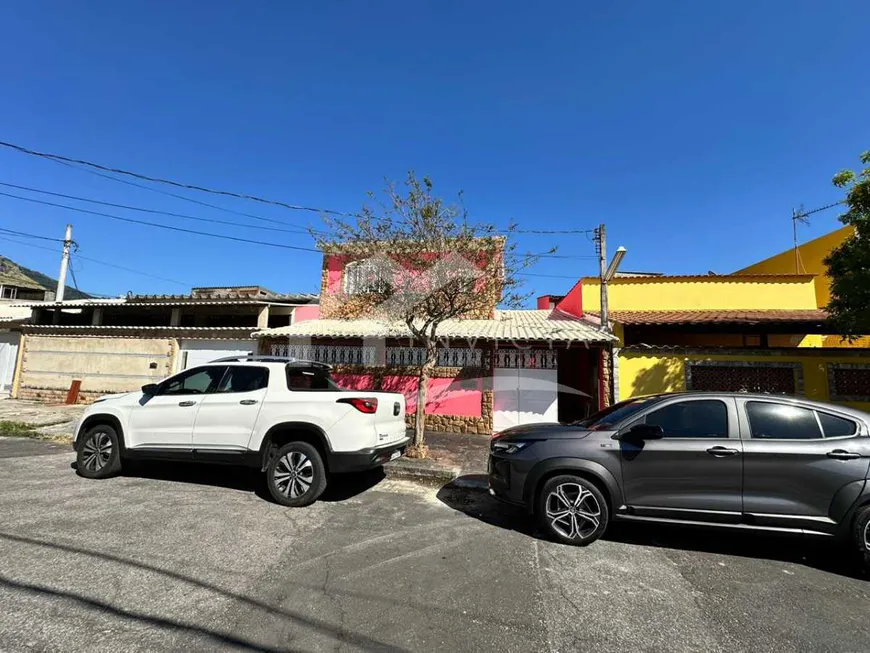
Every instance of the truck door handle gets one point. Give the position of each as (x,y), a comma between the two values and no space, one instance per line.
(842,454)
(187,403)
(248,402)
(721,451)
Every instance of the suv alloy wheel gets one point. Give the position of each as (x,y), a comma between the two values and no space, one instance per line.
(296,475)
(572,510)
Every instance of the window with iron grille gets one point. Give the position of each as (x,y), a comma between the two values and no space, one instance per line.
(769,378)
(447,356)
(365,277)
(329,354)
(527,359)
(848,382)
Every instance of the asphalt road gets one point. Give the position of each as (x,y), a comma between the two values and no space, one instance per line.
(193,558)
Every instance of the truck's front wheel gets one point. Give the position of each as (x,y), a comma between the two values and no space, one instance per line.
(296,475)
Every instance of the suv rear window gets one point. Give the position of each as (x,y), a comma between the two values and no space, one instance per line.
(768,420)
(309,379)
(244,378)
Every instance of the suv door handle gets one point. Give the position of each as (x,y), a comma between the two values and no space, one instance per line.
(842,454)
(187,403)
(721,451)
(248,402)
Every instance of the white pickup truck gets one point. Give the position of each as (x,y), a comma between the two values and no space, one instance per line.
(285,417)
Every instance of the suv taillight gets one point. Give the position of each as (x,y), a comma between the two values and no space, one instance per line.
(363,405)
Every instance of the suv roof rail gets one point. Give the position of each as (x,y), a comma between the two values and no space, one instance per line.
(271,359)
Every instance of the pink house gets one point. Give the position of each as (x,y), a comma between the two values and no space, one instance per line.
(496,368)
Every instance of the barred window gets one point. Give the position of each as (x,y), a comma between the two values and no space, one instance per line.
(848,382)
(764,378)
(365,277)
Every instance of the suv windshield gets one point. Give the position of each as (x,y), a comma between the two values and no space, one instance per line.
(613,415)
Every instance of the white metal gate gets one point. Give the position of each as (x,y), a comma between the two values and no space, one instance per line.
(524,396)
(8,358)
(198,352)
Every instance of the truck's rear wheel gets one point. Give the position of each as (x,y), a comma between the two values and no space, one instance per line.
(296,475)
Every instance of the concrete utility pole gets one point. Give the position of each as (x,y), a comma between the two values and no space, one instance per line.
(64,264)
(601,241)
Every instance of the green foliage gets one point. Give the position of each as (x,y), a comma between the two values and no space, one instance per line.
(16,429)
(849,264)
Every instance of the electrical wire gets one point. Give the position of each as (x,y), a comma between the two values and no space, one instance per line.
(72,274)
(182,197)
(98,262)
(26,235)
(82,164)
(152,211)
(163,226)
(158,180)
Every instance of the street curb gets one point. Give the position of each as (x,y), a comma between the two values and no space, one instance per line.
(428,474)
(471,482)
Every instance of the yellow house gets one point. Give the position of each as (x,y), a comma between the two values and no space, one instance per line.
(760,329)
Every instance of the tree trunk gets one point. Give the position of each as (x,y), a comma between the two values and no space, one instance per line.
(422,381)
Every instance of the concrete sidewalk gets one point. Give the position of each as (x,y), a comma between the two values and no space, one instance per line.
(450,454)
(55,420)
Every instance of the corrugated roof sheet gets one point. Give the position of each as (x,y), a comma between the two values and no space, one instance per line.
(724,316)
(107,327)
(521,325)
(170,300)
(199,297)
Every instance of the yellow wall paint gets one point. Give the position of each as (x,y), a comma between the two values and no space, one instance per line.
(811,260)
(662,294)
(642,373)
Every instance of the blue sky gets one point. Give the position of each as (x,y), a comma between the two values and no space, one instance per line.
(690,128)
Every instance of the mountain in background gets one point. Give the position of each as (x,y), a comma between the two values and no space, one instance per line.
(14,270)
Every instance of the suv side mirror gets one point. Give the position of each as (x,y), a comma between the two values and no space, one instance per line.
(150,389)
(643,432)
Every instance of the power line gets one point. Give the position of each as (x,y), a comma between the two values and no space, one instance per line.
(163,226)
(144,274)
(553,231)
(98,262)
(72,162)
(181,197)
(158,180)
(152,211)
(26,235)
(72,273)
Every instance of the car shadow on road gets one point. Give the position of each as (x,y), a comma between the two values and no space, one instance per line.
(245,479)
(822,554)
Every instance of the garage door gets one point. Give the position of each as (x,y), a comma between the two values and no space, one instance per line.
(198,352)
(102,364)
(524,396)
(8,357)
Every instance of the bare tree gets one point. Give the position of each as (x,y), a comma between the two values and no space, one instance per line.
(423,262)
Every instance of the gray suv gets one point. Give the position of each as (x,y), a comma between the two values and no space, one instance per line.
(751,462)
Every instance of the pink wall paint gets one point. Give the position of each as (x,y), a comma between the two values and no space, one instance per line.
(443,396)
(355,381)
(305,313)
(572,303)
(334,266)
